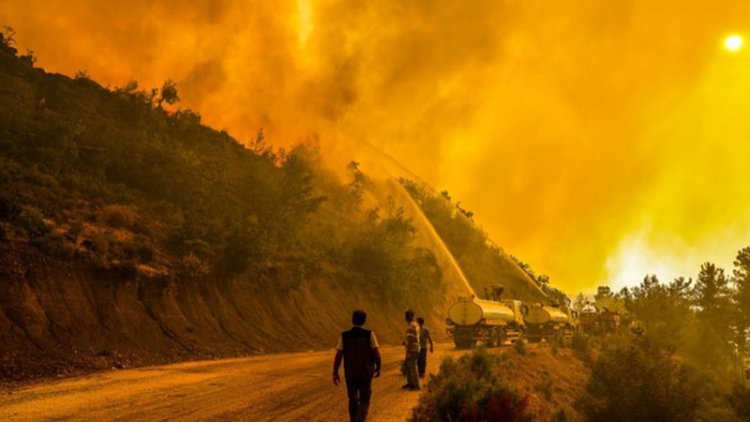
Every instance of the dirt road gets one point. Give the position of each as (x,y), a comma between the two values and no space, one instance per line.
(286,387)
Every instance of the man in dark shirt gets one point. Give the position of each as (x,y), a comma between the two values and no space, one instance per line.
(359,350)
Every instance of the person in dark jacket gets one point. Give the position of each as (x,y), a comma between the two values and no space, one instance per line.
(358,348)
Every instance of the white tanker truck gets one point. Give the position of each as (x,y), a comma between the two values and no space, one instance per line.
(543,322)
(492,322)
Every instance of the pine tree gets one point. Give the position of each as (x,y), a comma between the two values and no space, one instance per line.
(741,298)
(712,294)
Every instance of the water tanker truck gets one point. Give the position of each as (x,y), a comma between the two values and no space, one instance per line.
(596,322)
(492,322)
(544,322)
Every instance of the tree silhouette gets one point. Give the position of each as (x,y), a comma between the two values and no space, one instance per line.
(168,93)
(711,292)
(741,297)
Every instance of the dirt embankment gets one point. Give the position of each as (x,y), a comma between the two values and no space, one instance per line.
(65,317)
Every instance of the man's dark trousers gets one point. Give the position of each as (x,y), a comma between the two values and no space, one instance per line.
(422,361)
(359,392)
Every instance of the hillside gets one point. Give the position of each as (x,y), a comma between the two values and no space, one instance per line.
(484,264)
(131,234)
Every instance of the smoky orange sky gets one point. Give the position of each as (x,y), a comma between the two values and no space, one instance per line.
(597,140)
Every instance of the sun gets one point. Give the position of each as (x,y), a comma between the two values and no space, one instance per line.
(733,43)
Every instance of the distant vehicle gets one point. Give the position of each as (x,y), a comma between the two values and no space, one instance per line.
(545,322)
(609,321)
(492,321)
(589,320)
(600,322)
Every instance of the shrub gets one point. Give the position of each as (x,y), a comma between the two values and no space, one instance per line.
(10,206)
(581,346)
(558,340)
(144,249)
(560,416)
(119,216)
(469,390)
(75,230)
(32,220)
(126,269)
(100,244)
(56,244)
(82,75)
(545,386)
(520,347)
(740,401)
(192,267)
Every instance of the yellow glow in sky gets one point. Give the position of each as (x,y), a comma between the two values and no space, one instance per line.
(733,43)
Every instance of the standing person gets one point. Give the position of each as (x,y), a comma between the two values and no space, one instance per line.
(359,350)
(411,344)
(424,338)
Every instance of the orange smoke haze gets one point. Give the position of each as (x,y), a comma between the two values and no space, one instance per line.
(597,140)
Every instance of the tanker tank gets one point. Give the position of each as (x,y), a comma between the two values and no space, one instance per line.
(544,322)
(492,322)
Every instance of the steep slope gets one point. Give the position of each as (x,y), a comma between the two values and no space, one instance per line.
(484,263)
(130,235)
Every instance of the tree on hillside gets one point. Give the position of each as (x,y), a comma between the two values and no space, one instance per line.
(625,297)
(603,293)
(357,185)
(711,295)
(299,198)
(741,298)
(7,37)
(637,381)
(580,302)
(664,309)
(168,93)
(261,148)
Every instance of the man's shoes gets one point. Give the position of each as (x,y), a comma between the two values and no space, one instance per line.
(406,386)
(413,388)
(421,375)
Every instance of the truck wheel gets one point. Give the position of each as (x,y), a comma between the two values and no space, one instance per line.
(501,337)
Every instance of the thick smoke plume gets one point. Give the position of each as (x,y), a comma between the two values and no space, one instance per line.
(597,140)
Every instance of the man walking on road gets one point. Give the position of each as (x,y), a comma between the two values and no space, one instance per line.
(359,350)
(411,344)
(424,338)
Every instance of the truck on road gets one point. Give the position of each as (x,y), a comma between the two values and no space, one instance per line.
(492,321)
(544,322)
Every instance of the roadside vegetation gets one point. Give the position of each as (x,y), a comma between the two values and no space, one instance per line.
(469,389)
(505,385)
(681,354)
(690,358)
